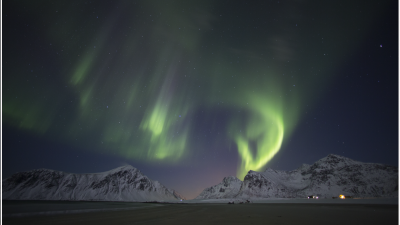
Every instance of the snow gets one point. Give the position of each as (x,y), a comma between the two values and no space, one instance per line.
(120,184)
(328,177)
(385,201)
(228,188)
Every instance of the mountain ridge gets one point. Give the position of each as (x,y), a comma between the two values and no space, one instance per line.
(327,177)
(125,183)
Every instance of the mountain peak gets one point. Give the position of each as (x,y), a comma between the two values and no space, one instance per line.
(228,188)
(126,167)
(269,170)
(332,158)
(304,166)
(328,177)
(335,156)
(122,168)
(230,178)
(124,183)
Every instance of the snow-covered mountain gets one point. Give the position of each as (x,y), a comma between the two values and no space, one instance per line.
(229,188)
(121,184)
(328,177)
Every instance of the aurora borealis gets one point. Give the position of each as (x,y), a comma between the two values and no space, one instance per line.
(192,91)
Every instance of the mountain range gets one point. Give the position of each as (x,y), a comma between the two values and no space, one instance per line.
(121,184)
(329,177)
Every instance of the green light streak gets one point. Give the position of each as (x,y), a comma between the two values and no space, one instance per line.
(28,117)
(156,121)
(167,134)
(270,115)
(82,70)
(266,129)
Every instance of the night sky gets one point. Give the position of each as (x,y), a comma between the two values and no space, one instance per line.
(189,92)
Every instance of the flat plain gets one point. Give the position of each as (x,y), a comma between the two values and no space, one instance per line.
(214,213)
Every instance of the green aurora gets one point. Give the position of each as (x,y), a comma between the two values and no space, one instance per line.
(134,90)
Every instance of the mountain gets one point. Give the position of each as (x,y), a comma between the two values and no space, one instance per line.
(328,177)
(228,188)
(121,184)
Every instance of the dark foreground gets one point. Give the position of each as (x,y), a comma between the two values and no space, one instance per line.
(227,214)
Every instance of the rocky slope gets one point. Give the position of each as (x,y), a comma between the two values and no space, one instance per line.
(328,177)
(228,188)
(121,184)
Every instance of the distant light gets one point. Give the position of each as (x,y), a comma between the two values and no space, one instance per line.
(380,46)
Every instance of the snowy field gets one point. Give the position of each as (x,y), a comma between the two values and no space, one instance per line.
(296,212)
(34,208)
(390,201)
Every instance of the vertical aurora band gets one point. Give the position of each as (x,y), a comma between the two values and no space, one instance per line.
(265,129)
(259,135)
(165,141)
